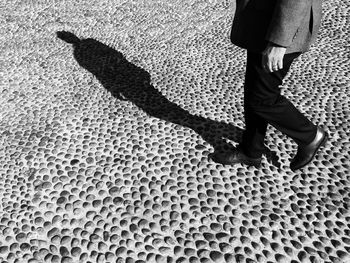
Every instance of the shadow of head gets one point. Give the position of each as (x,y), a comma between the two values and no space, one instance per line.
(108,65)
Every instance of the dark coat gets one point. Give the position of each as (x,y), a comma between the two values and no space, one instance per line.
(290,23)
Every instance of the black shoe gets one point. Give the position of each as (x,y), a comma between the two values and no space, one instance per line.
(237,156)
(306,153)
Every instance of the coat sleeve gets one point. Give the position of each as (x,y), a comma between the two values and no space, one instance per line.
(286,19)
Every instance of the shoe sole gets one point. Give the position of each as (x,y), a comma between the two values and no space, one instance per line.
(256,164)
(323,142)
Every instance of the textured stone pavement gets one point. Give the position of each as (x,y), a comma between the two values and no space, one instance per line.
(104,141)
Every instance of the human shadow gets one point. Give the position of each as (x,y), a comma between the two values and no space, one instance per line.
(127,81)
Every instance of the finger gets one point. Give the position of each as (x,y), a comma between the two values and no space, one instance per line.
(270,65)
(280,63)
(276,65)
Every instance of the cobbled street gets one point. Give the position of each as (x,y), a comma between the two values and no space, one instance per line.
(109,111)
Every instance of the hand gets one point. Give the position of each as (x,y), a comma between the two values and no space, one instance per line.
(272,58)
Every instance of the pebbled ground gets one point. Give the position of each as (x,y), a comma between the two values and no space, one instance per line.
(105,135)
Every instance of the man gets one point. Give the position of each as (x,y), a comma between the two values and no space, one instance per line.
(274,32)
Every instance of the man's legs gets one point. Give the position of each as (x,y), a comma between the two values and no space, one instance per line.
(264,104)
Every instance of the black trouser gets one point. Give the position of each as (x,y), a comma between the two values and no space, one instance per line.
(264,104)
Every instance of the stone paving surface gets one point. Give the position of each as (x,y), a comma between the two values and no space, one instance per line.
(108,112)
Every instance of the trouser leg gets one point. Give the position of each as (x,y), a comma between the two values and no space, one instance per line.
(254,133)
(263,104)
